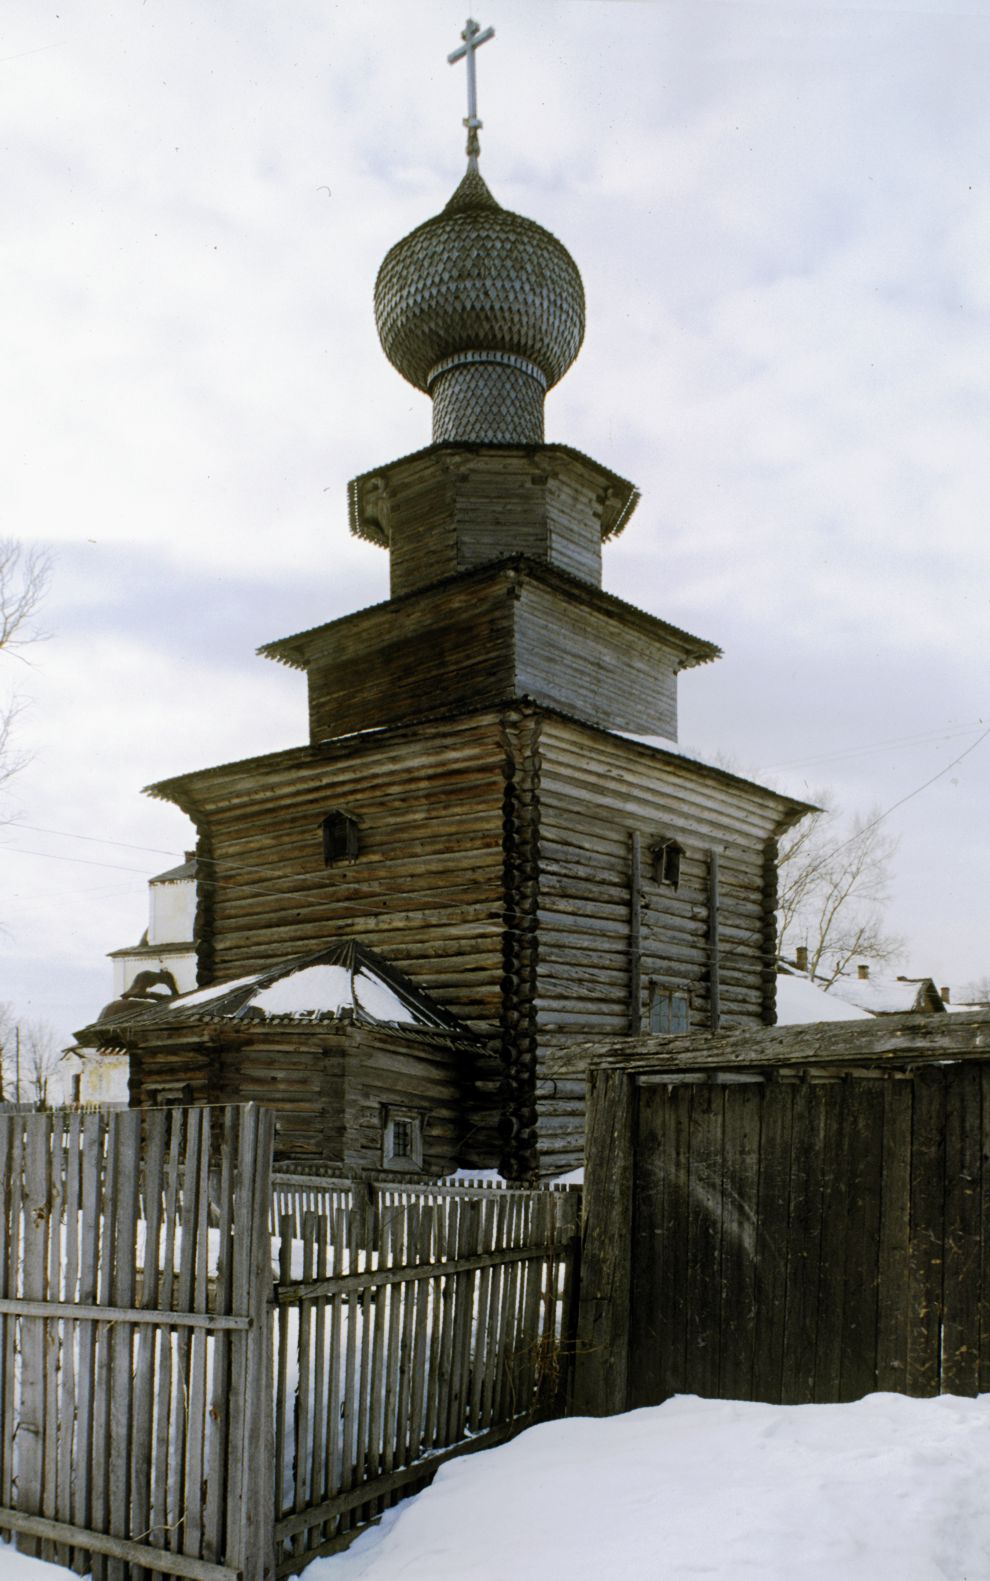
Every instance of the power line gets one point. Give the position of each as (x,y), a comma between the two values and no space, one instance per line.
(916,792)
(46,856)
(69,834)
(945,733)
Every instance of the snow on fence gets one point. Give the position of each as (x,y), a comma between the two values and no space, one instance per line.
(186,1392)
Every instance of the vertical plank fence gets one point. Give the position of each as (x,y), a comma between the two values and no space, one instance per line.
(412,1321)
(210,1373)
(135,1286)
(792,1216)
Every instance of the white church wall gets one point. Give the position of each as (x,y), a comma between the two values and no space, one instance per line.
(172,911)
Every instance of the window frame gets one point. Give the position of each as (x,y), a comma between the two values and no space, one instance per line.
(409,1161)
(332,825)
(676,998)
(666,855)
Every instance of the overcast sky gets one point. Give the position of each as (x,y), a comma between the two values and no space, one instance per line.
(782,216)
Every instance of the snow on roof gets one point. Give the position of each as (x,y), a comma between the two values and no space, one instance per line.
(344,978)
(883,995)
(800,1001)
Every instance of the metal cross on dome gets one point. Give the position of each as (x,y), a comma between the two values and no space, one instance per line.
(473,39)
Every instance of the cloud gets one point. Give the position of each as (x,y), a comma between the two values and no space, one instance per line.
(782,220)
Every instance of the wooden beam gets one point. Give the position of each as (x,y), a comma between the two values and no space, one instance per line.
(158,1560)
(79,1312)
(601,1385)
(885,1040)
(714,1000)
(635,934)
(373,1279)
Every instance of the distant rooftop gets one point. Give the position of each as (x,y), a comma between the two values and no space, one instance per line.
(172,875)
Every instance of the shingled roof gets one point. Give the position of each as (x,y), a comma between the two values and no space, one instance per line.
(345,981)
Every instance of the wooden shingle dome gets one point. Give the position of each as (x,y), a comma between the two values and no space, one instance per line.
(484,310)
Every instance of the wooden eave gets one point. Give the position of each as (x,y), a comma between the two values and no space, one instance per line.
(895,1041)
(626,494)
(213,1030)
(791,809)
(184,790)
(128,950)
(305,647)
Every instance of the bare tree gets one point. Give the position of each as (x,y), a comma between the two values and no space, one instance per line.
(977,992)
(834,887)
(29,1059)
(24,577)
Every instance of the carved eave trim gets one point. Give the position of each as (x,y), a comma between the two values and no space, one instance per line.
(368,495)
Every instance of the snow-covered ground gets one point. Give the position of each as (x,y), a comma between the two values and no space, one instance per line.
(886,1487)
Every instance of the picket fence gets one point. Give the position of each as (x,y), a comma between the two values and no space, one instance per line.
(211,1373)
(411,1321)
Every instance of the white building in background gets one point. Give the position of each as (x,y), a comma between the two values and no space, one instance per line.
(167,945)
(161,965)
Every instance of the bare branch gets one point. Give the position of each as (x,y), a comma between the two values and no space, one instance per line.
(29,1058)
(24,577)
(25,574)
(834,887)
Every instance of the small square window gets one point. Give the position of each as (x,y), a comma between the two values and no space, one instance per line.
(402,1140)
(670,1010)
(340,838)
(666,856)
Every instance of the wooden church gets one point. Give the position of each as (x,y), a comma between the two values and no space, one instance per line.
(472,859)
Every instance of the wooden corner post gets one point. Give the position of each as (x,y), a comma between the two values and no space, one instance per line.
(602,1360)
(251,1469)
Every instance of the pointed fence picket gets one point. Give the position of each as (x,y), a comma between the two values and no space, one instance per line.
(414,1320)
(210,1373)
(134,1347)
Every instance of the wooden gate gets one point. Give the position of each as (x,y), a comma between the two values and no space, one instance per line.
(802,1216)
(135,1283)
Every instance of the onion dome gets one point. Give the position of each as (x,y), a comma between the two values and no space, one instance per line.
(484,310)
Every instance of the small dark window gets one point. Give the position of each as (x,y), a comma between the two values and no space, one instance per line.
(670,1010)
(178,1094)
(666,856)
(402,1139)
(340,838)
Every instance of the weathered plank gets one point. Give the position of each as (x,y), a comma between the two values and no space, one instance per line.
(927,1232)
(601,1377)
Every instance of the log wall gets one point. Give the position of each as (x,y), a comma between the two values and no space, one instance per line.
(496,870)
(451,508)
(327,1084)
(425,890)
(425,1075)
(608,939)
(512,630)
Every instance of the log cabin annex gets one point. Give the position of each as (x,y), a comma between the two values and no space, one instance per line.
(489,846)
